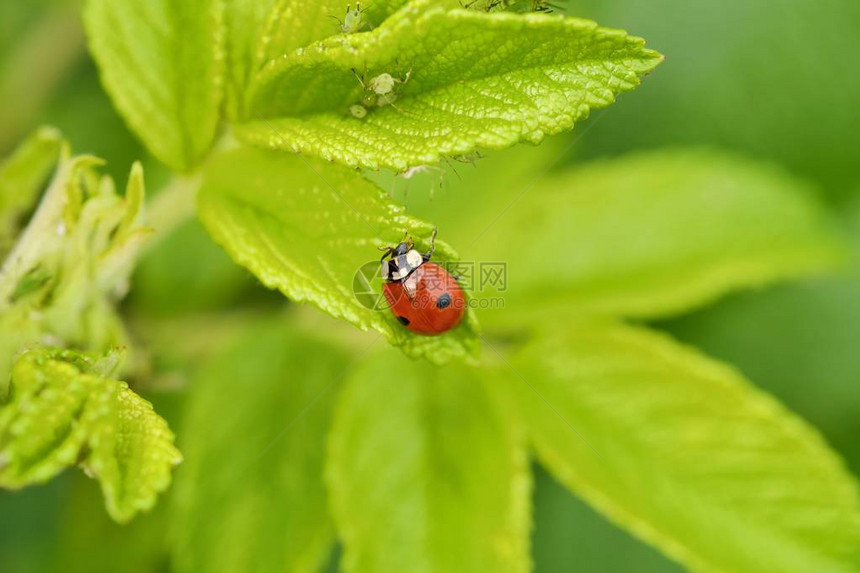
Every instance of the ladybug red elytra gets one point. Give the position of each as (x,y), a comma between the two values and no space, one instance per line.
(423,296)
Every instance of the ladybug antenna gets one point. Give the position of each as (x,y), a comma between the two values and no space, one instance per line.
(429,253)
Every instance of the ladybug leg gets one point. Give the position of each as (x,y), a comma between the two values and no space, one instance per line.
(426,256)
(388,250)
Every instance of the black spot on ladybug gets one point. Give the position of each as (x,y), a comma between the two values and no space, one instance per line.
(443,301)
(403,320)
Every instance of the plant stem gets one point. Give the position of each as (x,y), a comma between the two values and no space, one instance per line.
(175,203)
(171,207)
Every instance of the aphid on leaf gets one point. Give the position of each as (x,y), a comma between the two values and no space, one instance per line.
(543,6)
(482,5)
(471,157)
(353,20)
(358,111)
(424,297)
(380,90)
(430,170)
(516,6)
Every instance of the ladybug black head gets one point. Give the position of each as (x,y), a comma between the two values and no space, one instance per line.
(402,248)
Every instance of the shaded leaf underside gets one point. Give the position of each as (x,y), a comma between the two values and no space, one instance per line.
(427,473)
(653,234)
(251,495)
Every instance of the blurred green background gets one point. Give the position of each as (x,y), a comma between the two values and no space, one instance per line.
(772,81)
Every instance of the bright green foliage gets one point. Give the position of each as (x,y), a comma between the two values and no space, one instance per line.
(162,63)
(477,195)
(243,28)
(728,480)
(306,227)
(166,65)
(469,79)
(251,497)
(427,473)
(259,31)
(645,235)
(59,283)
(65,410)
(294,24)
(515,6)
(654,234)
(783,338)
(21,178)
(426,468)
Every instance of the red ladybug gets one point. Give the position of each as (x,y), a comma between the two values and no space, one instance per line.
(423,296)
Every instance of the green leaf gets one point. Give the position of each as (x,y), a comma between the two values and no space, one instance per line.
(243,26)
(21,178)
(649,235)
(292,25)
(470,194)
(307,228)
(162,64)
(786,337)
(66,410)
(686,454)
(259,31)
(427,472)
(570,536)
(474,80)
(251,496)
